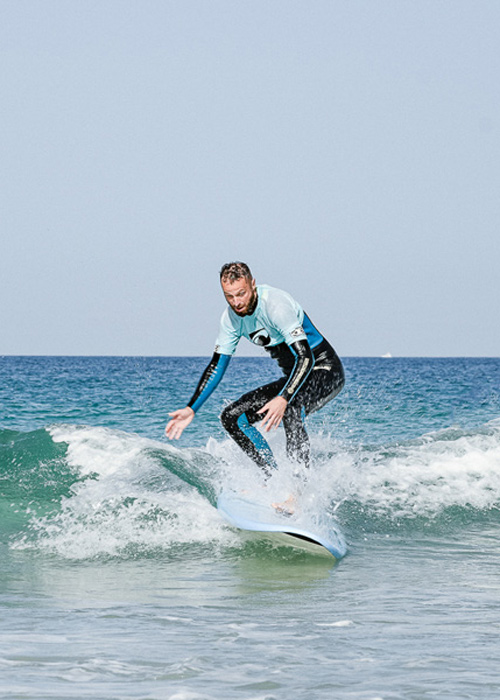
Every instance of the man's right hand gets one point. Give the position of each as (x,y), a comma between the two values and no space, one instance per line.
(180,419)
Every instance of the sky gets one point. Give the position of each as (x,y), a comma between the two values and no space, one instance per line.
(348,151)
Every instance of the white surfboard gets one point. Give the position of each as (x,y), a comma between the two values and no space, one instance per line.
(314,534)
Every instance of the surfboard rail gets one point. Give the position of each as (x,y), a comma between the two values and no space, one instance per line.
(313,534)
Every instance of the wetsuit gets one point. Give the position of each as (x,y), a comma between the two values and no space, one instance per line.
(313,373)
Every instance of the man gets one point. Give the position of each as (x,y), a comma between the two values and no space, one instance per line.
(313,373)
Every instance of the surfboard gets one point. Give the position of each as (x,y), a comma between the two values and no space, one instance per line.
(311,533)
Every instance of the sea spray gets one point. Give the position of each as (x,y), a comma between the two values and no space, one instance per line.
(125,502)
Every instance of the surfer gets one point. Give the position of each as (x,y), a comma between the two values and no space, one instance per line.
(312,371)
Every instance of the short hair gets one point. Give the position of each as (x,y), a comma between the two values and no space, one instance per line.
(230,272)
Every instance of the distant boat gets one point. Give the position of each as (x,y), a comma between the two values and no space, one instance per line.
(387,354)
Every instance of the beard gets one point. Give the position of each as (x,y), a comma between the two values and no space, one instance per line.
(250,307)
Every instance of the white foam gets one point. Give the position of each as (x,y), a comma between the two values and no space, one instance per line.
(451,468)
(127,500)
(97,450)
(127,503)
(339,623)
(92,524)
(189,695)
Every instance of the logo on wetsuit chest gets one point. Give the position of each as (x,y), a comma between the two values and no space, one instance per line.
(260,337)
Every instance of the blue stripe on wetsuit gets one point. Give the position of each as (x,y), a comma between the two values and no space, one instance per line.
(313,335)
(209,380)
(258,440)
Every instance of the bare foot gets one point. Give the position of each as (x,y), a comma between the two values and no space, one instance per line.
(287,507)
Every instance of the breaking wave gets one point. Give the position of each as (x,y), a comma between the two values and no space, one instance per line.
(84,492)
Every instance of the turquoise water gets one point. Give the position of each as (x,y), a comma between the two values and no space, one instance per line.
(119,579)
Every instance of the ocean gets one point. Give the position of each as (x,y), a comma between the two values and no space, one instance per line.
(120,580)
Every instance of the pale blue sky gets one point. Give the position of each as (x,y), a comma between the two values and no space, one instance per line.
(349,151)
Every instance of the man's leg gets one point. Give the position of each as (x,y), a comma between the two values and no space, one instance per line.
(297,439)
(239,417)
(320,388)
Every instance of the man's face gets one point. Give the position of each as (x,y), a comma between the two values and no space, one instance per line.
(240,295)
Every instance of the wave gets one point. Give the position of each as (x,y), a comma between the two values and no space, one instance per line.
(448,478)
(83,492)
(117,495)
(34,474)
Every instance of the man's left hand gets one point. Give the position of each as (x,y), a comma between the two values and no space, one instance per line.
(274,411)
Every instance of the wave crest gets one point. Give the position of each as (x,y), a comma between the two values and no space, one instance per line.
(86,492)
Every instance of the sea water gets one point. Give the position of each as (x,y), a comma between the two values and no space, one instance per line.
(119,578)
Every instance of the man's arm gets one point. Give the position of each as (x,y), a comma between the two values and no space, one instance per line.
(304,362)
(210,379)
(274,410)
